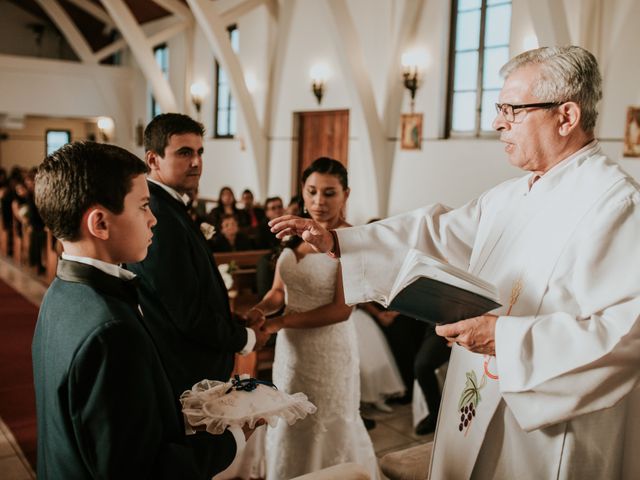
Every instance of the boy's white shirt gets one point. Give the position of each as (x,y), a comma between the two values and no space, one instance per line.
(251,335)
(108,268)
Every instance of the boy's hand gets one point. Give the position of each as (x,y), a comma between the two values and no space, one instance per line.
(249,431)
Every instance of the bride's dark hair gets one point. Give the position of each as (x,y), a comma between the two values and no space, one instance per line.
(327,166)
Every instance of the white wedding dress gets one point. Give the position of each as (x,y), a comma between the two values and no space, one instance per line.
(322,363)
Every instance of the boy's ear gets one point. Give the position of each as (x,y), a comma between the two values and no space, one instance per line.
(96,223)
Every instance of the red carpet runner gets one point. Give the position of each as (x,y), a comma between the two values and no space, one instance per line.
(17,399)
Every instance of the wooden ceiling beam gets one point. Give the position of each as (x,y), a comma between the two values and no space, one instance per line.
(142,50)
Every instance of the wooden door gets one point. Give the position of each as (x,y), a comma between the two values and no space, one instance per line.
(319,134)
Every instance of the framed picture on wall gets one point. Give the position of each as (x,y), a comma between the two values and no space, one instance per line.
(632,133)
(410,131)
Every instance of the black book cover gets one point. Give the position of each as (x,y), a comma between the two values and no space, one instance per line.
(434,302)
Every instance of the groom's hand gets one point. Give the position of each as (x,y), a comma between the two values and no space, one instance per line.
(311,232)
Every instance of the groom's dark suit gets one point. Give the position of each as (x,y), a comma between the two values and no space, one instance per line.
(184,299)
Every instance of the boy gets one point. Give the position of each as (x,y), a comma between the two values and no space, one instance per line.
(105,407)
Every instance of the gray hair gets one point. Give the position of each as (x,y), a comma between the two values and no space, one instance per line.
(567,74)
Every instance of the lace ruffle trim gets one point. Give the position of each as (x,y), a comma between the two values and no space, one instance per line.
(209,405)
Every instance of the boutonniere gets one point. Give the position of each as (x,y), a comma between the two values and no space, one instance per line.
(207,230)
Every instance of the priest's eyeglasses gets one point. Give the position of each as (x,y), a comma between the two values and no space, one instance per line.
(509,111)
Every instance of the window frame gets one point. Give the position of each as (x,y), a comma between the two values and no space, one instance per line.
(230,29)
(153,103)
(477,133)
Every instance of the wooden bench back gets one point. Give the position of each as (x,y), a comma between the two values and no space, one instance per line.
(242,259)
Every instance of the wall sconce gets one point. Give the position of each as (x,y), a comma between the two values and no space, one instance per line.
(198,91)
(106,128)
(412,61)
(319,74)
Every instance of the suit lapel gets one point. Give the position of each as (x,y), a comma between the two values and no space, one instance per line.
(180,211)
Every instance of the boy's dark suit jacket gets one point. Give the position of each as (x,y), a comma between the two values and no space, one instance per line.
(105,407)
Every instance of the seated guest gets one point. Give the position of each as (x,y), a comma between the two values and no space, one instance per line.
(295,206)
(226,206)
(379,375)
(273,208)
(405,338)
(432,354)
(255,214)
(266,267)
(197,207)
(229,238)
(37,234)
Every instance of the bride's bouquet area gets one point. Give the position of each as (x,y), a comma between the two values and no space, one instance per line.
(215,405)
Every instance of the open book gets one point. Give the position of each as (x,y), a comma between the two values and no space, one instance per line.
(436,292)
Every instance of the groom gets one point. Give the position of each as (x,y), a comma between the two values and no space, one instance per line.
(182,295)
(547,386)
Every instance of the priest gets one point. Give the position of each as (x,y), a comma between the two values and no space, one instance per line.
(546,386)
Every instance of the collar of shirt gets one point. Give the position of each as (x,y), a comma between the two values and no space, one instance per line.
(181,198)
(108,268)
(592,145)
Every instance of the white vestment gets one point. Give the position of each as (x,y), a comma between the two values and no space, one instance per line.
(567,401)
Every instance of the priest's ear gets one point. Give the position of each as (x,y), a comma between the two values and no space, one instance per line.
(95,222)
(570,116)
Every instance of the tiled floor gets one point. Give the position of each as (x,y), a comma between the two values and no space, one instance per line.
(394,431)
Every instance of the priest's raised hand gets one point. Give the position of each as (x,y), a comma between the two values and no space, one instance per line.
(311,231)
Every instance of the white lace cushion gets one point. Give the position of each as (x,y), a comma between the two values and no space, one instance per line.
(207,404)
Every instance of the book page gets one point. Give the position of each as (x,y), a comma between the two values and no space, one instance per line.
(417,264)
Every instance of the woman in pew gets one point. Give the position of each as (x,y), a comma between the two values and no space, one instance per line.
(226,206)
(316,347)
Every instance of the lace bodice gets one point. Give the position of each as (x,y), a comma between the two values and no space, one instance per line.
(314,273)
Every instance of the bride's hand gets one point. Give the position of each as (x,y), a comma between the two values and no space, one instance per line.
(273,325)
(255,316)
(311,232)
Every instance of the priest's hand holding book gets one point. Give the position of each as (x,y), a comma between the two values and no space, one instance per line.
(476,334)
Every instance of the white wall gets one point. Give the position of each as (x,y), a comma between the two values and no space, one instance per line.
(452,171)
(58,88)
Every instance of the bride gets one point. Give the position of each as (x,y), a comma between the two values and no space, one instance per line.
(316,349)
